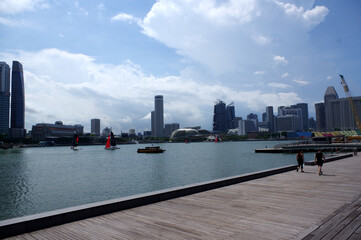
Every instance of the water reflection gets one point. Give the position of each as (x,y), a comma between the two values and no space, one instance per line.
(43,179)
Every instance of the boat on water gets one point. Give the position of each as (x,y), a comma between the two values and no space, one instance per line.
(75,142)
(111,142)
(156,149)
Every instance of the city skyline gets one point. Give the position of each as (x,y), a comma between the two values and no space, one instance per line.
(106,60)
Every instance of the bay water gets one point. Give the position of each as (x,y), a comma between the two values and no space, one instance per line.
(35,180)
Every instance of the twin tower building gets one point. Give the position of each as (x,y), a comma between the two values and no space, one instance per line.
(12,103)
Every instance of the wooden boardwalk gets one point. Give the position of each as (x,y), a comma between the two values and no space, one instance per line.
(290,205)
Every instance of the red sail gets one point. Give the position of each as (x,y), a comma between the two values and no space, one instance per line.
(108,142)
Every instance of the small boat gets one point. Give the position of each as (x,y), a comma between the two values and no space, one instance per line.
(150,150)
(75,142)
(111,142)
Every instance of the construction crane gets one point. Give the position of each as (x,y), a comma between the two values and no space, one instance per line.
(350,100)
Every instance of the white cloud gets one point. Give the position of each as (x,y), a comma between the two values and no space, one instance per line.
(261,40)
(329,77)
(310,17)
(284,75)
(278,85)
(280,60)
(301,82)
(258,72)
(123,17)
(232,36)
(18,6)
(122,96)
(15,23)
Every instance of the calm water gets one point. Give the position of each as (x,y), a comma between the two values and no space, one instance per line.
(34,180)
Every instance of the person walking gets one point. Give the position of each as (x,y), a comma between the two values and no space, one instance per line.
(300,160)
(319,159)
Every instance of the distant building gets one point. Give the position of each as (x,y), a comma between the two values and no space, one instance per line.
(132,132)
(48,131)
(330,95)
(247,126)
(253,117)
(4,98)
(338,112)
(312,123)
(270,119)
(289,119)
(159,116)
(304,110)
(320,116)
(170,128)
(236,120)
(289,123)
(17,101)
(230,116)
(95,126)
(219,117)
(147,134)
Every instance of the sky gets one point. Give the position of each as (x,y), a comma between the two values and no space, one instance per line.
(89,59)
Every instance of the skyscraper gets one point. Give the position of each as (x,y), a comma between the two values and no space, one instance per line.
(230,117)
(95,126)
(17,101)
(159,116)
(320,116)
(270,119)
(330,95)
(304,109)
(4,97)
(219,117)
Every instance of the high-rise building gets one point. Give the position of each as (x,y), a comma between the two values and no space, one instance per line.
(270,119)
(220,117)
(95,126)
(304,109)
(289,119)
(254,118)
(159,116)
(320,116)
(230,117)
(17,101)
(4,98)
(330,95)
(170,128)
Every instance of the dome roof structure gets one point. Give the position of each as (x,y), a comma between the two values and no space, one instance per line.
(184,133)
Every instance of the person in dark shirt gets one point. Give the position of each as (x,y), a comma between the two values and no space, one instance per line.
(319,159)
(300,160)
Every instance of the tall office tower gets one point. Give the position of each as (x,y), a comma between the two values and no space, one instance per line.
(4,97)
(304,109)
(170,128)
(219,117)
(159,116)
(320,116)
(95,126)
(264,117)
(230,116)
(289,119)
(270,119)
(329,96)
(17,101)
(254,118)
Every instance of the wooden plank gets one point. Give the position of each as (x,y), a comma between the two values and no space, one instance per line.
(349,230)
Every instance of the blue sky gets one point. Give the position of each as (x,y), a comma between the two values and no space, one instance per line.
(108,59)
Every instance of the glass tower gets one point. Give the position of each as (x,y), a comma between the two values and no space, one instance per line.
(220,117)
(4,97)
(17,97)
(158,116)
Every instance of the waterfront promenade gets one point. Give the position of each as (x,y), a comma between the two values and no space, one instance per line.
(289,205)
